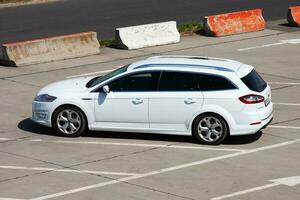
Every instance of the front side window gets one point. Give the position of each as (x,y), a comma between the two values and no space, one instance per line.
(139,82)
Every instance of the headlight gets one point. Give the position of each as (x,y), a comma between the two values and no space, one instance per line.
(45,98)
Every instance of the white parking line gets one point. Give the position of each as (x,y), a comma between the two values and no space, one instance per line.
(281,42)
(169,169)
(67,170)
(246,191)
(93,73)
(136,145)
(283,83)
(287,104)
(288,181)
(284,127)
(90,74)
(261,46)
(5,139)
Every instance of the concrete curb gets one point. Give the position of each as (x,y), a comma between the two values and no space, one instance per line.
(234,23)
(135,37)
(293,16)
(49,49)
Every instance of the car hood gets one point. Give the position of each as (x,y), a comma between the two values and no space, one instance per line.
(73,85)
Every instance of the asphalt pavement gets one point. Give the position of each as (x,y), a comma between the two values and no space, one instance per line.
(103,16)
(35,164)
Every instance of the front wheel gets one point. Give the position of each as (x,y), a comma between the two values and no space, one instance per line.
(210,128)
(69,121)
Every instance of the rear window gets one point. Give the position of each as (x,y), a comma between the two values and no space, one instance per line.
(254,82)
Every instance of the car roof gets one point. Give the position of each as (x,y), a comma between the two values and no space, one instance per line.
(189,63)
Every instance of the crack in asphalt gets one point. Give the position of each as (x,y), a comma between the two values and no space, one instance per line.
(281,137)
(63,166)
(17,139)
(284,87)
(290,120)
(75,165)
(157,190)
(20,82)
(132,184)
(97,175)
(32,158)
(117,156)
(280,76)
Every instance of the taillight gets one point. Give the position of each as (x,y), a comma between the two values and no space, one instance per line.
(252,99)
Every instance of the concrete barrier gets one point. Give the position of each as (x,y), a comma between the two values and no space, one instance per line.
(135,37)
(294,16)
(234,23)
(49,49)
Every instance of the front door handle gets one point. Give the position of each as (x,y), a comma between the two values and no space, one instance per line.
(137,101)
(190,101)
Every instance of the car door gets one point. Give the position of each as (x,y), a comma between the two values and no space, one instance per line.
(126,104)
(176,101)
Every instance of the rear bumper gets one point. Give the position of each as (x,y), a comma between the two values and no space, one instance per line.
(251,129)
(267,124)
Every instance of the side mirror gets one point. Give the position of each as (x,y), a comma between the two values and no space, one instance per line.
(105,89)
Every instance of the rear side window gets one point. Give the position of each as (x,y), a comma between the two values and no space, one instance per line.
(254,82)
(178,81)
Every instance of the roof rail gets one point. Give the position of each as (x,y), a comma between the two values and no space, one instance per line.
(186,65)
(193,57)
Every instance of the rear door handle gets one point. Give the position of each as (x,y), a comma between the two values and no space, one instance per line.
(190,101)
(137,101)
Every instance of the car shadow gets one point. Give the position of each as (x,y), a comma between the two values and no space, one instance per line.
(286,24)
(242,139)
(30,126)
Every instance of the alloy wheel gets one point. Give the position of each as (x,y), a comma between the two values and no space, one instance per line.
(210,129)
(68,121)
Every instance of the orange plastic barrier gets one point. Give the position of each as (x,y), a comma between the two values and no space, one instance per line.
(234,23)
(294,16)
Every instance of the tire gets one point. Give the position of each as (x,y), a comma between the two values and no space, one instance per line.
(69,121)
(210,128)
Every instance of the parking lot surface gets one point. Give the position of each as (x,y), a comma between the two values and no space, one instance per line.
(35,164)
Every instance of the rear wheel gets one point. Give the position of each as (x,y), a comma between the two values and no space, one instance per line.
(210,128)
(69,121)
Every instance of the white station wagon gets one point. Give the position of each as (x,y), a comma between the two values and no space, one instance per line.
(209,98)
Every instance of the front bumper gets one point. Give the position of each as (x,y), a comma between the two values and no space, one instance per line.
(41,113)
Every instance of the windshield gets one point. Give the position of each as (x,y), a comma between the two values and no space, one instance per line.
(99,79)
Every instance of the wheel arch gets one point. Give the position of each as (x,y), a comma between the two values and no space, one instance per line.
(194,120)
(218,111)
(71,105)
